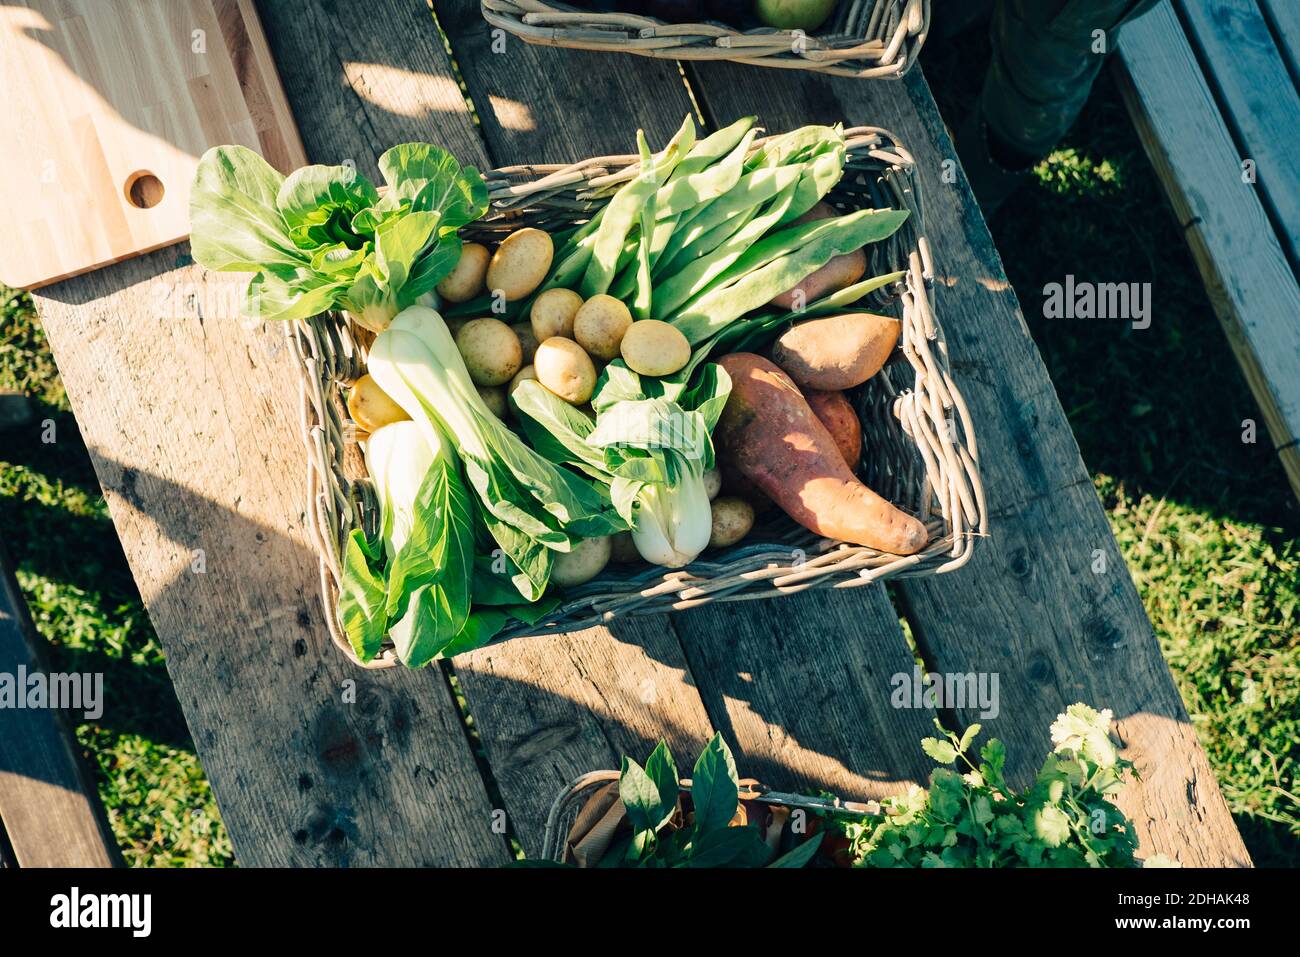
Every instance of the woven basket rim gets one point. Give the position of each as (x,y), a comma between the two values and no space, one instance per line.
(863,39)
(930,412)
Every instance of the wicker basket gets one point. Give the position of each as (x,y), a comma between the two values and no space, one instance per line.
(922,454)
(864,38)
(571,802)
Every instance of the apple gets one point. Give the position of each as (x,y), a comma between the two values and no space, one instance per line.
(804,15)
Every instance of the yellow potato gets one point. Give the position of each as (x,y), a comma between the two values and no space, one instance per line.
(587,560)
(371,407)
(565,369)
(552,313)
(520,263)
(712,483)
(465,281)
(494,397)
(732,520)
(527,372)
(600,326)
(527,340)
(655,348)
(491,351)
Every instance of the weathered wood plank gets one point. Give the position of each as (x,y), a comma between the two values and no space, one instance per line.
(49,810)
(1246,71)
(1242,263)
(551,708)
(802,686)
(1027,607)
(191,417)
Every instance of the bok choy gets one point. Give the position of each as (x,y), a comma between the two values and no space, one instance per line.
(649,446)
(324,238)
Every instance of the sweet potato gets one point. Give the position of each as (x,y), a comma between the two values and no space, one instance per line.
(840,273)
(836,352)
(835,412)
(771,436)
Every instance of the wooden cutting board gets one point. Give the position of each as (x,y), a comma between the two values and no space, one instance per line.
(105,108)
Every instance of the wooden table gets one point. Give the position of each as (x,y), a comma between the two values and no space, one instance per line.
(191,417)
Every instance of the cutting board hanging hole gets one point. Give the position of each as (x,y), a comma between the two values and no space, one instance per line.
(143,189)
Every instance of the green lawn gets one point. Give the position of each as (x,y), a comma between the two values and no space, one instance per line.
(1206,522)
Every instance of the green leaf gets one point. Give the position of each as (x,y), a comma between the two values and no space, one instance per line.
(234,223)
(649,800)
(283,293)
(317,204)
(399,243)
(729,847)
(801,854)
(433,181)
(714,786)
(362,597)
(481,627)
(941,751)
(969,735)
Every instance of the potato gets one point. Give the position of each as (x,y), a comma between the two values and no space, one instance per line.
(836,352)
(600,326)
(527,372)
(465,281)
(494,397)
(655,348)
(371,407)
(491,351)
(712,483)
(732,520)
(622,549)
(565,369)
(552,313)
(836,413)
(520,263)
(527,341)
(587,560)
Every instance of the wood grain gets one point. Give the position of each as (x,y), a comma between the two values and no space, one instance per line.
(97,93)
(190,415)
(49,810)
(1245,69)
(1242,262)
(1028,606)
(551,708)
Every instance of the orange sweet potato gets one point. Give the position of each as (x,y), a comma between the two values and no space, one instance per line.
(834,411)
(839,273)
(771,436)
(836,352)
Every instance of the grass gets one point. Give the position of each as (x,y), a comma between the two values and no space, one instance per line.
(1206,522)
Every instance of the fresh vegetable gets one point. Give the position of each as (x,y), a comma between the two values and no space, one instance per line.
(520,263)
(491,351)
(494,397)
(370,406)
(465,281)
(622,550)
(965,819)
(532,507)
(768,433)
(323,238)
(601,323)
(565,369)
(587,560)
(654,348)
(649,445)
(839,273)
(836,352)
(712,483)
(553,312)
(527,372)
(805,15)
(835,412)
(732,520)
